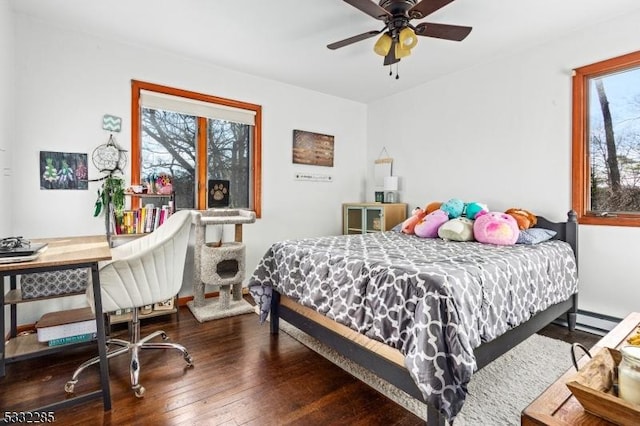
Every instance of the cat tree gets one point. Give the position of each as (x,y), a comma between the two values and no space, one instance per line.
(220,264)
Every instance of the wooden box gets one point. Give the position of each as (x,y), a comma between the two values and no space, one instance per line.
(593,386)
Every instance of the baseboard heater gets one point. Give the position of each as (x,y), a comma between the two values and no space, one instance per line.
(591,322)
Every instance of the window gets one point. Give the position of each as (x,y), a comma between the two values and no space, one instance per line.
(606,142)
(195,138)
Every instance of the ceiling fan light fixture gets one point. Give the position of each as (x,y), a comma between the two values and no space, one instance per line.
(408,38)
(402,52)
(383,45)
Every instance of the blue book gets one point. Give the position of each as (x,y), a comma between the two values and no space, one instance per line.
(87,337)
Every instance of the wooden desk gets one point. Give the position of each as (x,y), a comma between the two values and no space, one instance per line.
(557,406)
(61,253)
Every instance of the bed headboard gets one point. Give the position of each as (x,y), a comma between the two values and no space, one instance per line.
(566,231)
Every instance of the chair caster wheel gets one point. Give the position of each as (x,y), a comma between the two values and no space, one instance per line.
(139,391)
(69,386)
(189,360)
(164,336)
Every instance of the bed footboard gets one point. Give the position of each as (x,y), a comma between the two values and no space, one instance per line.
(397,375)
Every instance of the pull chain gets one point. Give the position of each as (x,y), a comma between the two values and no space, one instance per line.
(391,70)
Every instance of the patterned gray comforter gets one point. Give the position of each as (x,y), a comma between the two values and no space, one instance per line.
(433,300)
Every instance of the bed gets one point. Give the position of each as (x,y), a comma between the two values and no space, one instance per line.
(422,314)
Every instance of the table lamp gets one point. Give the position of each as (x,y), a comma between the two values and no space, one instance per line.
(391,189)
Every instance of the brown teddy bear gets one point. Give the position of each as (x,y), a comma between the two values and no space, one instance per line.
(525,218)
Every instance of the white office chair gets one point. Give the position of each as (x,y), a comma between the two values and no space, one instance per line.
(142,272)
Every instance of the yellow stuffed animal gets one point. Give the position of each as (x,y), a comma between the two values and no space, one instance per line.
(525,218)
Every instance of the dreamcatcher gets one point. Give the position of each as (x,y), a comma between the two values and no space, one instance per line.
(109,159)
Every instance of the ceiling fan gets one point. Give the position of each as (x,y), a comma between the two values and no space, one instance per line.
(399,35)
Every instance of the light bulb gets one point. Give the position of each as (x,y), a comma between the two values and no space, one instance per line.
(408,38)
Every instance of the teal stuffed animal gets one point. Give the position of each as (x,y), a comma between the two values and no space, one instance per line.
(454,208)
(473,210)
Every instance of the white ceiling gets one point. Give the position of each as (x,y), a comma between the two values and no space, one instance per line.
(286,40)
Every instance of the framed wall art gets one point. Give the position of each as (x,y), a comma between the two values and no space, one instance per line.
(314,149)
(63,170)
(218,191)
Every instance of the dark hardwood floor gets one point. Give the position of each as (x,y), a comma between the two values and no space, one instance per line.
(241,376)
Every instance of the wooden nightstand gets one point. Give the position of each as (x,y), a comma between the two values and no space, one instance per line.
(361,218)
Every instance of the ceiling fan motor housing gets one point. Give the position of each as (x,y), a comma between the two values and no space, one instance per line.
(400,7)
(399,18)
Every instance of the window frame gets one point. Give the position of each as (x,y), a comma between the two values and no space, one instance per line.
(201,190)
(581,180)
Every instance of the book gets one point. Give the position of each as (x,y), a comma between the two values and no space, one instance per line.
(61,324)
(156,217)
(86,337)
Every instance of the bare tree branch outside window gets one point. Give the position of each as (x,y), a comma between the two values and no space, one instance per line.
(169,146)
(614,142)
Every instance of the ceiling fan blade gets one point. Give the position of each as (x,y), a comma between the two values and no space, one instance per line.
(391,56)
(354,39)
(444,31)
(370,8)
(426,7)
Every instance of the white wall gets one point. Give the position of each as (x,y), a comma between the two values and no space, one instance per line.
(66,81)
(6,121)
(6,113)
(500,133)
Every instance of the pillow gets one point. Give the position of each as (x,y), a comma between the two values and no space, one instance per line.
(535,235)
(496,228)
(458,229)
(397,228)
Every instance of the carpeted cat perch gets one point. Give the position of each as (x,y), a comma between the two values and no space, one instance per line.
(220,264)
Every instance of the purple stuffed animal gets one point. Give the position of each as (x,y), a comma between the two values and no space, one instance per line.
(428,227)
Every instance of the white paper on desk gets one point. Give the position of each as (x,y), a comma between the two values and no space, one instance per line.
(381,169)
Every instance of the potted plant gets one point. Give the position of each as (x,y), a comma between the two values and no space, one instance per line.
(112,191)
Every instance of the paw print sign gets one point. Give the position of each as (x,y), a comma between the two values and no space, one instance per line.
(218,193)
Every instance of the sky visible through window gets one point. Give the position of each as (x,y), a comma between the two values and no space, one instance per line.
(623,94)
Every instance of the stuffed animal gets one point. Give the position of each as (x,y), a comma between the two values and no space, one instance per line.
(458,229)
(453,207)
(473,210)
(431,207)
(496,228)
(410,223)
(428,227)
(525,218)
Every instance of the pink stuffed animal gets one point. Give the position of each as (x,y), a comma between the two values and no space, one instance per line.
(428,227)
(496,228)
(409,224)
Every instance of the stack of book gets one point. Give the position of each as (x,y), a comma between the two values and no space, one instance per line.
(143,220)
(65,327)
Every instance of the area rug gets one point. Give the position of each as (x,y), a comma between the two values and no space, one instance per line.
(213,310)
(497,393)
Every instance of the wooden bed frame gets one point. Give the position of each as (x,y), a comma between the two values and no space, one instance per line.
(487,352)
